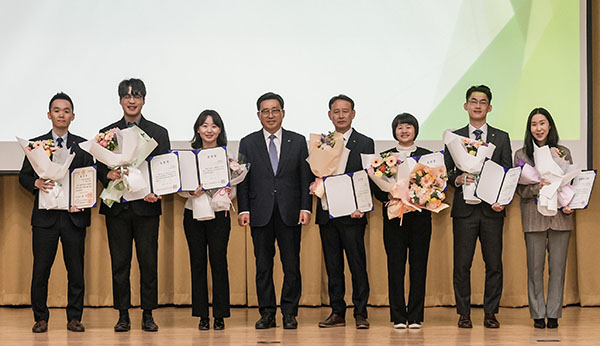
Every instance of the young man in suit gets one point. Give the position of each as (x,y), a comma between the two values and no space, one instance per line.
(135,220)
(49,226)
(346,233)
(482,220)
(274,200)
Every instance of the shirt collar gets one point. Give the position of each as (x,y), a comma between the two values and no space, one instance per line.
(277,134)
(483,128)
(64,137)
(347,135)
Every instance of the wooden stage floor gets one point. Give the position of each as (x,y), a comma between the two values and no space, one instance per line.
(579,326)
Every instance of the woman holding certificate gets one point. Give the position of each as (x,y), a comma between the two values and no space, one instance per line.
(409,237)
(209,132)
(543,233)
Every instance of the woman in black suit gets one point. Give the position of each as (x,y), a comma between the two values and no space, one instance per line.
(409,240)
(209,132)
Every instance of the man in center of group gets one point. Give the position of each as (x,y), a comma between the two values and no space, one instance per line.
(346,233)
(274,201)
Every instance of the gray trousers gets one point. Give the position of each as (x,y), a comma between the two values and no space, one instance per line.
(556,243)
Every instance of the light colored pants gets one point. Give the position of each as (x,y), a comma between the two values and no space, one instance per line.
(557,244)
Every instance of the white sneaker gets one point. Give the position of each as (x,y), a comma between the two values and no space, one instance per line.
(414,325)
(400,325)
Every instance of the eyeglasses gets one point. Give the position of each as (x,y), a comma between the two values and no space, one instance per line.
(474,102)
(275,112)
(129,96)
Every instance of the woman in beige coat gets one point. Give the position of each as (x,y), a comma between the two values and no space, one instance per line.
(544,233)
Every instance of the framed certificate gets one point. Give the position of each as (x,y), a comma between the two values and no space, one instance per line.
(347,193)
(497,184)
(583,184)
(213,168)
(161,174)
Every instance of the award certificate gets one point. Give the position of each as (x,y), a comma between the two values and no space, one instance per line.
(213,166)
(83,187)
(164,175)
(583,184)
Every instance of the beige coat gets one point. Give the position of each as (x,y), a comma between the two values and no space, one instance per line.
(531,219)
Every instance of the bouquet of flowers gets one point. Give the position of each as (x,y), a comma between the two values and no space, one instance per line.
(551,165)
(327,156)
(49,163)
(468,155)
(124,149)
(427,186)
(205,205)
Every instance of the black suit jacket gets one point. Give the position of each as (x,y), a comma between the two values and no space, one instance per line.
(27,176)
(358,144)
(502,156)
(139,207)
(290,186)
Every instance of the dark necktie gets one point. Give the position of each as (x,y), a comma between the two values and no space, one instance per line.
(477,134)
(130,124)
(273,153)
(59,142)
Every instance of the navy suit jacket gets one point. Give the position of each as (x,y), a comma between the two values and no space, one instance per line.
(358,144)
(289,186)
(27,177)
(502,156)
(139,207)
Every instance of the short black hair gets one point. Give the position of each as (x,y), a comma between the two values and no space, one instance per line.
(60,96)
(405,118)
(269,96)
(551,140)
(221,139)
(137,87)
(341,97)
(482,89)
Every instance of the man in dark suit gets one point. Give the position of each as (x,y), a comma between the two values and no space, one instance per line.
(346,233)
(135,220)
(481,220)
(274,200)
(50,225)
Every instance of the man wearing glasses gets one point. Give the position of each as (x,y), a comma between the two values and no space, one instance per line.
(482,220)
(135,220)
(274,201)
(346,233)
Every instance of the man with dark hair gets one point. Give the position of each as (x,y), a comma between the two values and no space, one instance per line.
(482,220)
(346,233)
(135,220)
(49,226)
(274,201)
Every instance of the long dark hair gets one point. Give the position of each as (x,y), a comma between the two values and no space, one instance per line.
(551,140)
(221,139)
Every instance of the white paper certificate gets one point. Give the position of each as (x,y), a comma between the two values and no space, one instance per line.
(509,186)
(583,184)
(362,191)
(340,195)
(83,187)
(165,174)
(496,185)
(188,170)
(213,166)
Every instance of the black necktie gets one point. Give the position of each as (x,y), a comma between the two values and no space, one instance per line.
(59,142)
(130,124)
(477,134)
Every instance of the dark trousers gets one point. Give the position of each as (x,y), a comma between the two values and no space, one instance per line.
(45,244)
(212,236)
(336,238)
(413,237)
(288,241)
(466,231)
(123,229)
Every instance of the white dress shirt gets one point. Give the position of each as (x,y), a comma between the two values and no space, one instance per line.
(276,140)
(484,129)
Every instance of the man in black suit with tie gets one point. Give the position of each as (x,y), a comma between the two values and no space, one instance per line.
(346,233)
(135,220)
(274,200)
(49,226)
(482,220)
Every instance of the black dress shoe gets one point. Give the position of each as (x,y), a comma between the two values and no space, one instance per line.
(40,326)
(552,323)
(362,322)
(219,324)
(265,322)
(334,320)
(289,322)
(464,321)
(148,324)
(204,324)
(490,321)
(123,324)
(75,326)
(539,323)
